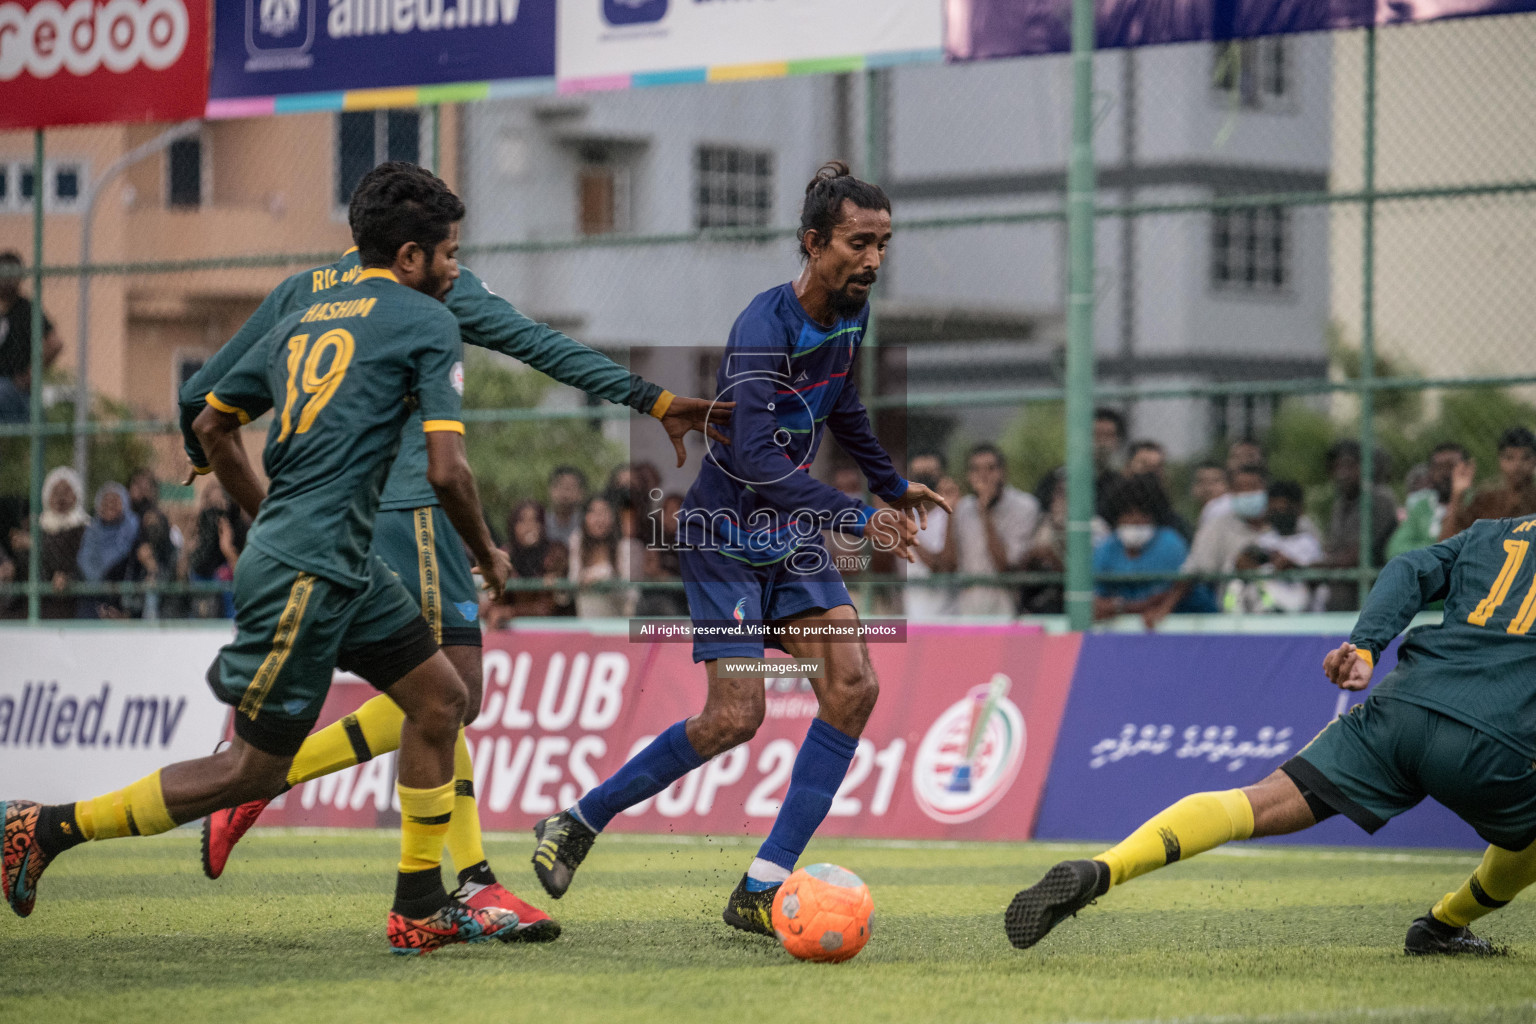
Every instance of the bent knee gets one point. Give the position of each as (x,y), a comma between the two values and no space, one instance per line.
(724,728)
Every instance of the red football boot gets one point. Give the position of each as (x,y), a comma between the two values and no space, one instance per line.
(533,925)
(223,829)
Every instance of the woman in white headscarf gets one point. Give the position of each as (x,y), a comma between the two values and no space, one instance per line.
(62,522)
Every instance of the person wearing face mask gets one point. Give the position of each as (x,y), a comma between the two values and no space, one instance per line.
(1141,542)
(1290,542)
(1218,543)
(1428,500)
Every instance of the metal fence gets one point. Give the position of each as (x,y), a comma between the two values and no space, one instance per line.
(1298,239)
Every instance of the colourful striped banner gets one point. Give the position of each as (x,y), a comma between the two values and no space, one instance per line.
(512,88)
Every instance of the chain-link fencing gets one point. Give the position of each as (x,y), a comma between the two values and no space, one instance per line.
(1302,241)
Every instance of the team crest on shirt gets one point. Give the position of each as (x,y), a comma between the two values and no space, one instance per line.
(456,377)
(987,775)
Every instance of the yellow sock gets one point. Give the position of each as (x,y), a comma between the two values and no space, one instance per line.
(464,843)
(1195,824)
(1497,880)
(424,817)
(136,810)
(371,730)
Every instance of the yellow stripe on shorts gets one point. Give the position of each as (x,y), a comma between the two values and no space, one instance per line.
(426,563)
(282,646)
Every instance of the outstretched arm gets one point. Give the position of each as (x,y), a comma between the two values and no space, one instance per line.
(489,321)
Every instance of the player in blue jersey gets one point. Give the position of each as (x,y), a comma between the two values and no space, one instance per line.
(751,547)
(417,542)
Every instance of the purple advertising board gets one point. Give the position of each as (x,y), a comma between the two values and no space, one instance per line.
(277,47)
(1151,719)
(982,29)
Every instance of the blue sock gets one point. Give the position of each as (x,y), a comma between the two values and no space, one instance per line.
(668,758)
(819,769)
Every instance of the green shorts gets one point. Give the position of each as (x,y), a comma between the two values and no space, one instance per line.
(424,550)
(1386,755)
(293,628)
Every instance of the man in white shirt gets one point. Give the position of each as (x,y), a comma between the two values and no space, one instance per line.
(989,532)
(928,603)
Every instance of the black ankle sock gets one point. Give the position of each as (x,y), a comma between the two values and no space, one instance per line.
(420,893)
(57,829)
(480,874)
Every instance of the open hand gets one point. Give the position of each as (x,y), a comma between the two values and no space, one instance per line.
(920,497)
(686,415)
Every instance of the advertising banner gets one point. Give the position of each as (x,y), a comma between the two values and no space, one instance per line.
(1155,718)
(83,712)
(616,43)
(949,752)
(981,29)
(265,48)
(85,62)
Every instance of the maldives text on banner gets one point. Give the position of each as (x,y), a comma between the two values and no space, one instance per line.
(84,711)
(564,710)
(1154,718)
(266,48)
(980,29)
(84,62)
(604,42)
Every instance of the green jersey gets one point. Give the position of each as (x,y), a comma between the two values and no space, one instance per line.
(343,376)
(485,320)
(1479,665)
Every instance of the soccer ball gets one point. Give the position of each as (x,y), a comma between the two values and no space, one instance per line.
(823,913)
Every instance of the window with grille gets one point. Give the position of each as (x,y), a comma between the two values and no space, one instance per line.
(1251,248)
(1255,73)
(367,138)
(66,183)
(733,187)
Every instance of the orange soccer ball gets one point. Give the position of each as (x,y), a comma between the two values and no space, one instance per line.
(823,913)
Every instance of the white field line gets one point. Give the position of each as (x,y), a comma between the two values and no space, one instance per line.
(1458,1013)
(1235,850)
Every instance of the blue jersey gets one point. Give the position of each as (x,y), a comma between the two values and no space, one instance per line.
(792,381)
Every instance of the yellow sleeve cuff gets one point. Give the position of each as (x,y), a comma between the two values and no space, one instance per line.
(434,425)
(225,407)
(1365,656)
(663,403)
(202,470)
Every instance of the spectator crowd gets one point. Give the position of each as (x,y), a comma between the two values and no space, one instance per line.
(611,553)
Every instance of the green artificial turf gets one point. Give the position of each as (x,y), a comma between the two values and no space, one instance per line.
(130,931)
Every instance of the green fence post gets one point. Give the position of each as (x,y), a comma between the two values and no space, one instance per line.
(35,529)
(1080,225)
(1368,327)
(874,170)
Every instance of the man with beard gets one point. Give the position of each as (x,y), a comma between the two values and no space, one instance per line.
(343,378)
(752,553)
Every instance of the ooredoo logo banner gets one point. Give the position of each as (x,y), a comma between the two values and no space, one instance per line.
(958,745)
(92,61)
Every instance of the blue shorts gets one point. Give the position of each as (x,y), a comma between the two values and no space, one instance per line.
(724,589)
